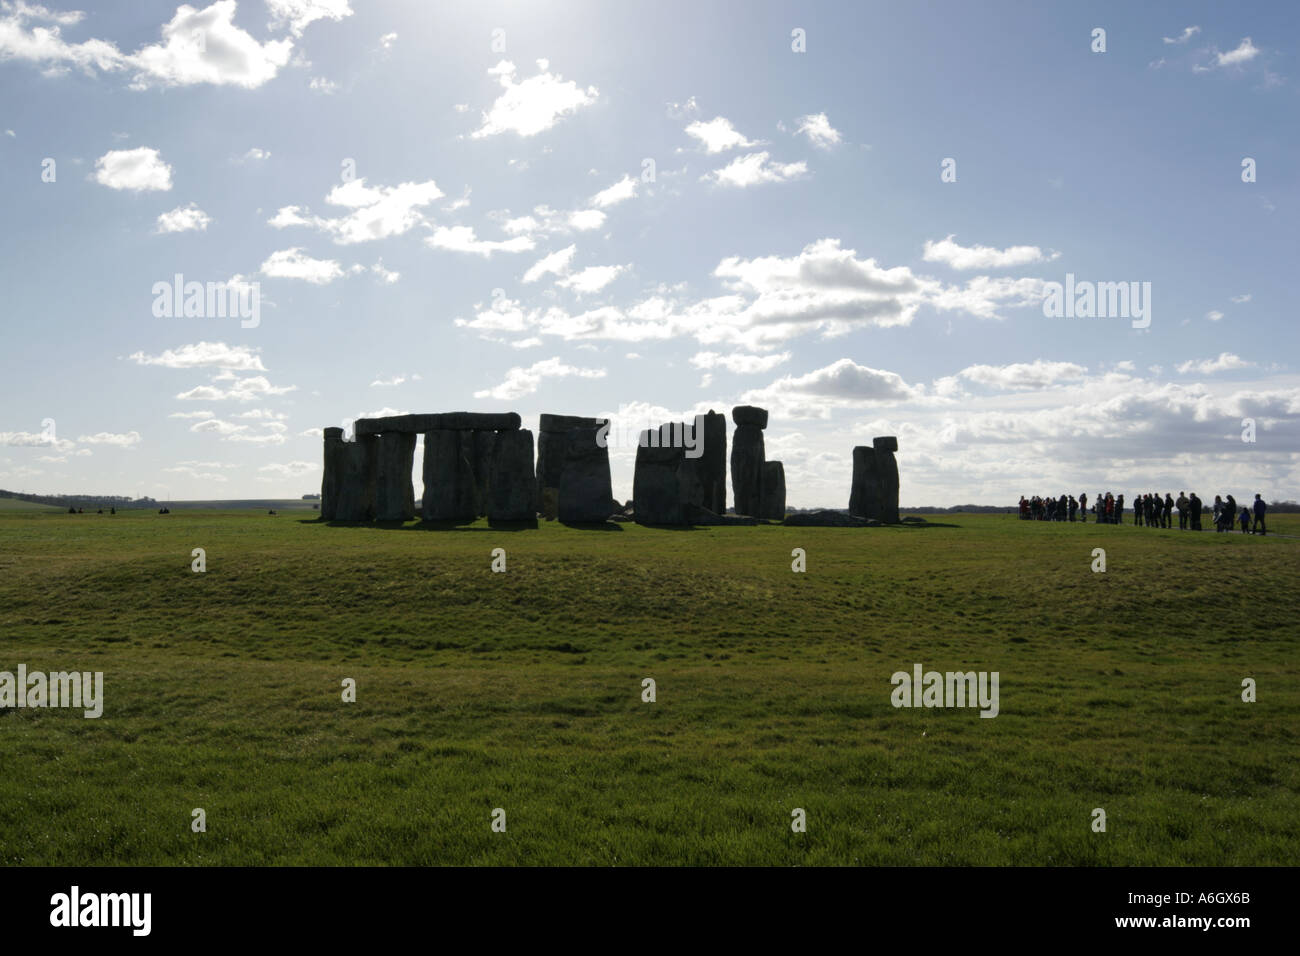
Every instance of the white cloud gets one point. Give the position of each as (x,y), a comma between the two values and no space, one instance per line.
(204,46)
(387,275)
(292,469)
(295,264)
(1226,362)
(387,40)
(524,381)
(1187,34)
(1214,315)
(255,154)
(139,170)
(1239,299)
(772,299)
(377,211)
(533,106)
(1038,374)
(591,279)
(556,263)
(982,257)
(738,363)
(462,239)
(753,169)
(126,440)
(320,84)
(841,384)
(237,358)
(252,388)
(718,135)
(624,189)
(184,219)
(297,14)
(1244,53)
(819,131)
(586,219)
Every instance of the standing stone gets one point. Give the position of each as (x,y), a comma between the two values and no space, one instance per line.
(394,493)
(657,483)
(887,470)
(552,443)
(747,457)
(511,490)
(481,462)
(449,476)
(772,499)
(585,493)
(866,494)
(713,468)
(333,468)
(356,481)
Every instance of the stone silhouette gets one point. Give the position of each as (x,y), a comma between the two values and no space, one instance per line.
(772,491)
(747,458)
(874,493)
(584,493)
(511,491)
(394,493)
(554,435)
(713,464)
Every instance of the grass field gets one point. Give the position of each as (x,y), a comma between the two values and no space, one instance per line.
(522,691)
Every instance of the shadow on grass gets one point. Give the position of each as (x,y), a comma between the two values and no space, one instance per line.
(593,525)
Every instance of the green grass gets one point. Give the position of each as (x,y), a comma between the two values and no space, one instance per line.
(523,691)
(18,504)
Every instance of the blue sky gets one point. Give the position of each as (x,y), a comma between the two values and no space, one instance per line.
(452,206)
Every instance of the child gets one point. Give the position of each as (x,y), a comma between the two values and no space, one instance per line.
(1244,518)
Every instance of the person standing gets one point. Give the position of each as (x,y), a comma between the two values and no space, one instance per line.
(1074,507)
(1260,508)
(1197,506)
(1119,510)
(1137,510)
(1244,518)
(1167,520)
(1217,515)
(1230,506)
(1183,507)
(1083,506)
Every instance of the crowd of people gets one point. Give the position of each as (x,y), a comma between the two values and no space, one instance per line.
(1150,510)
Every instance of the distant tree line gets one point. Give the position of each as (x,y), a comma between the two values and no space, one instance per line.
(106,501)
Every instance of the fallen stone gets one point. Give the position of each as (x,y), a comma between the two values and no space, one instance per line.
(824,519)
